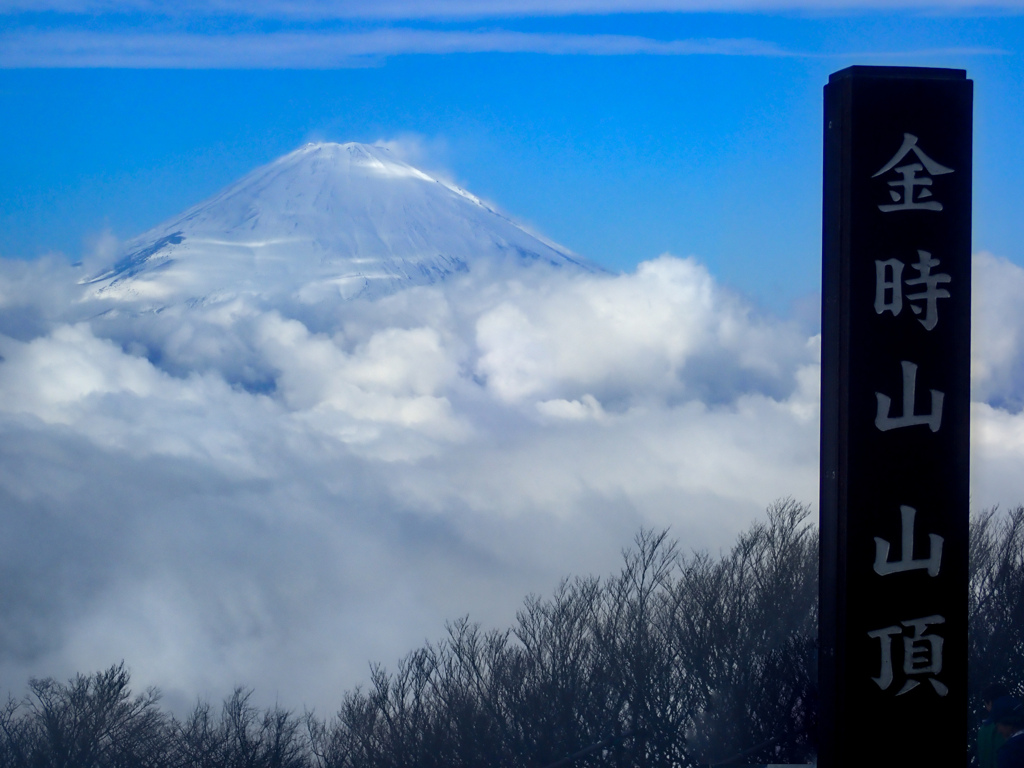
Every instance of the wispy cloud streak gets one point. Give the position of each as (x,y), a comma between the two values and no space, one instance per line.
(328,50)
(331,50)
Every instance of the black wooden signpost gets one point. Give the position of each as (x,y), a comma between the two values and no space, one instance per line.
(895,417)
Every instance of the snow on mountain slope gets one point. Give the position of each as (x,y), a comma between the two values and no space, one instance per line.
(325,220)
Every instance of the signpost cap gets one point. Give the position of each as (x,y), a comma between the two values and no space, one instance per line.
(898,73)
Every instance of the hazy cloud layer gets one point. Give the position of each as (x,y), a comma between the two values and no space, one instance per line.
(270,492)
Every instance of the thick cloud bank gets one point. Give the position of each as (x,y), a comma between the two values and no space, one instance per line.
(271,491)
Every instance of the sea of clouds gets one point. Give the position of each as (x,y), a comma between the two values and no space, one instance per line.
(264,491)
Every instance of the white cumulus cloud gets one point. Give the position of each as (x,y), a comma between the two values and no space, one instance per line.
(269,492)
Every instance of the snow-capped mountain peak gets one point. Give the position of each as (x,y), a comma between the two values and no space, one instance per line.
(346,218)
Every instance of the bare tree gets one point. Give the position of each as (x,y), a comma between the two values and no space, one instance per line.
(743,629)
(996,608)
(16,736)
(92,721)
(242,737)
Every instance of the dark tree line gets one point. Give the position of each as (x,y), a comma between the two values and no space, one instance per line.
(681,659)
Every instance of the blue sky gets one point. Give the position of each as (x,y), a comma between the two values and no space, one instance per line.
(620,134)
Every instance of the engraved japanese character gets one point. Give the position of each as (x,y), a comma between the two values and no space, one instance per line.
(922,654)
(889,288)
(884,422)
(883,566)
(911,192)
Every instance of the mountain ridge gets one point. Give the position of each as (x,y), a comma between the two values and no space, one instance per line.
(350,218)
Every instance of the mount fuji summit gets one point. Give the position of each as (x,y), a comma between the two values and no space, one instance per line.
(347,220)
